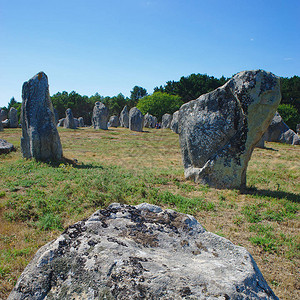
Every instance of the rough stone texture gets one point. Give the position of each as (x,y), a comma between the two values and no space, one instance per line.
(166,121)
(279,132)
(81,122)
(136,119)
(149,121)
(124,117)
(100,116)
(76,122)
(13,118)
(6,147)
(174,122)
(3,115)
(61,122)
(141,252)
(219,130)
(114,121)
(40,139)
(69,121)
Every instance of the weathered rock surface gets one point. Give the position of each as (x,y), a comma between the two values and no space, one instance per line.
(166,121)
(114,121)
(13,118)
(3,115)
(81,122)
(141,252)
(219,130)
(40,139)
(6,147)
(136,119)
(124,117)
(279,132)
(174,122)
(69,121)
(100,116)
(149,121)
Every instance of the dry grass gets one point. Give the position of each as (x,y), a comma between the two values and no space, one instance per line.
(264,218)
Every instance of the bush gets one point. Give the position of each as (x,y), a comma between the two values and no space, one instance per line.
(289,115)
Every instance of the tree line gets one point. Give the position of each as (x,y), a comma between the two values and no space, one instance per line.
(167,98)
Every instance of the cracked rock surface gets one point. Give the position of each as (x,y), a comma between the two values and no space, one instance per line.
(141,252)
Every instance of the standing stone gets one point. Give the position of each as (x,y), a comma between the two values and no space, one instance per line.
(100,116)
(13,118)
(124,117)
(166,121)
(149,121)
(3,115)
(136,120)
(141,252)
(174,122)
(81,122)
(279,132)
(114,121)
(61,122)
(40,139)
(69,121)
(219,130)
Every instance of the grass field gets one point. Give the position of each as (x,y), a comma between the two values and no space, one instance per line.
(38,200)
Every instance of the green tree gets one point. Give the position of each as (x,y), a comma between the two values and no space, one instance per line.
(136,94)
(159,103)
(290,91)
(289,115)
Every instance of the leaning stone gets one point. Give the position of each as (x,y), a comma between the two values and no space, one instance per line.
(61,122)
(69,121)
(40,139)
(174,122)
(141,252)
(279,132)
(6,147)
(114,121)
(13,118)
(136,119)
(100,116)
(124,117)
(219,130)
(166,121)
(81,122)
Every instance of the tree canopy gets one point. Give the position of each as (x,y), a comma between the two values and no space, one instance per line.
(159,103)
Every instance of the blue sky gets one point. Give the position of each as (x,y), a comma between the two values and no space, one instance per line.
(110,46)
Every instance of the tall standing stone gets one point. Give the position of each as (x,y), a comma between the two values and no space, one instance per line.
(40,139)
(174,122)
(3,115)
(219,130)
(166,121)
(69,121)
(100,116)
(136,119)
(13,118)
(124,117)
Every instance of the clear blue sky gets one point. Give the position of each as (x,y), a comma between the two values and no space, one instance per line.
(110,46)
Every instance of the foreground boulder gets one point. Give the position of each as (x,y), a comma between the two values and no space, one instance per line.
(69,121)
(279,132)
(40,139)
(141,252)
(174,122)
(219,130)
(6,147)
(100,116)
(136,119)
(13,118)
(124,117)
(166,121)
